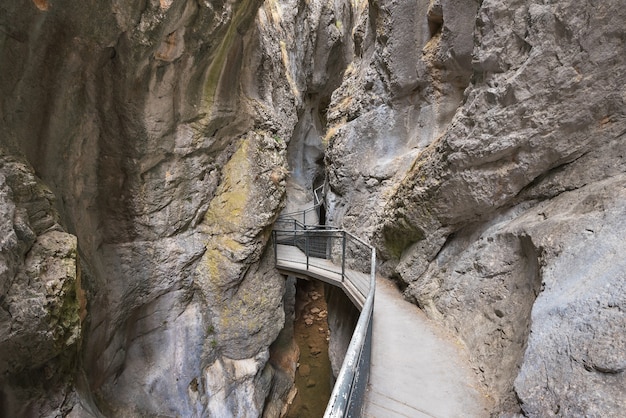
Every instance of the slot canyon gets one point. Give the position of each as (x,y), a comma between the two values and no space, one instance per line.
(148,148)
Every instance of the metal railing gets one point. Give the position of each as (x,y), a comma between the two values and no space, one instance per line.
(348,395)
(338,253)
(308,214)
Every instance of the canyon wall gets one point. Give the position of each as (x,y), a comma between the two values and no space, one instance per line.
(144,160)
(480,145)
(147,148)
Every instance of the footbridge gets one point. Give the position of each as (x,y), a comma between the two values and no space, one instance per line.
(413,369)
(341,259)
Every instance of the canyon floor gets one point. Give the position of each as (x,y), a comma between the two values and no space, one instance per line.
(313,378)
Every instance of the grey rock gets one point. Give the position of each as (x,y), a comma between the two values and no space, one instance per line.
(479,145)
(41,300)
(342,319)
(575,362)
(284,354)
(511,108)
(127,113)
(161,130)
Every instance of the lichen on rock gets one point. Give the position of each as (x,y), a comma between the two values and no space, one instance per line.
(237,226)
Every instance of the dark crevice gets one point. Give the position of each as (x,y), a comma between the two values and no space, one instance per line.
(532,255)
(434,26)
(449,239)
(435,19)
(544,176)
(400,284)
(322,111)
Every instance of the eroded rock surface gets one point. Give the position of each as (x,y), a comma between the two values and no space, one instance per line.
(41,300)
(464,140)
(161,128)
(168,166)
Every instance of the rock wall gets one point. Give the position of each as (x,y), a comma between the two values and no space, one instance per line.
(481,147)
(342,319)
(161,129)
(42,305)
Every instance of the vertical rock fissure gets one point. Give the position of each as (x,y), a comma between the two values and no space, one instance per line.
(323,59)
(534,282)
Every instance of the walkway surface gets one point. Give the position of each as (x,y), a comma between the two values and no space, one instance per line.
(291,260)
(416,369)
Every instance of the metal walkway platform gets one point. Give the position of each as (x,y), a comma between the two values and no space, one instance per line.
(399,364)
(291,260)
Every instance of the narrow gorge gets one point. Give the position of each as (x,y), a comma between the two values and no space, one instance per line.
(147,149)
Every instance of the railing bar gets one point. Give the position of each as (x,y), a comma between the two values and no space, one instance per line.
(343,255)
(337,402)
(299,212)
(312,265)
(306,249)
(359,240)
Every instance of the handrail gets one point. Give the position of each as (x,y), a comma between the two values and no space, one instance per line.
(318,195)
(318,201)
(348,393)
(346,399)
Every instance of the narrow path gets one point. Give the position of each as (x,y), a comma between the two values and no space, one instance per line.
(292,261)
(416,369)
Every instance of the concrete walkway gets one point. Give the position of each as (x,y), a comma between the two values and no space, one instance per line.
(417,370)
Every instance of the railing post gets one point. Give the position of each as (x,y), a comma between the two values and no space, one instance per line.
(373,268)
(343,255)
(306,248)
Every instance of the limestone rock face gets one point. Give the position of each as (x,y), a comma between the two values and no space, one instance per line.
(481,147)
(574,364)
(146,149)
(161,129)
(147,123)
